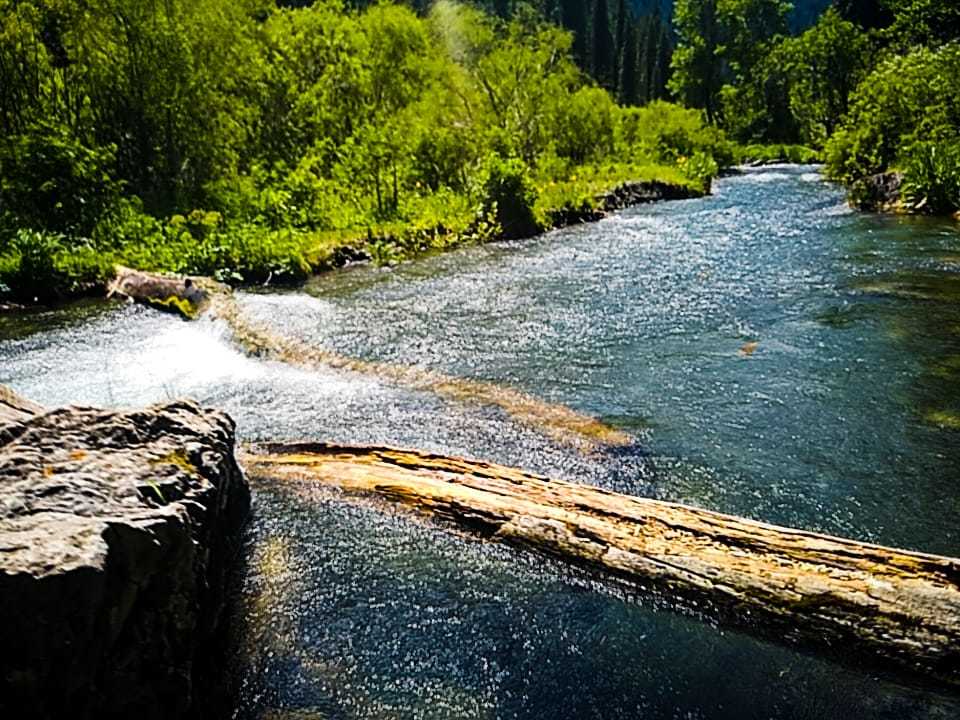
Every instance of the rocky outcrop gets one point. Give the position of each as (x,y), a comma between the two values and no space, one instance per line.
(878,193)
(638,193)
(117,533)
(622,196)
(893,608)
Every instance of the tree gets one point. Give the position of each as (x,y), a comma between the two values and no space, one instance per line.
(825,65)
(924,22)
(698,72)
(868,14)
(623,23)
(603,51)
(629,86)
(720,42)
(573,14)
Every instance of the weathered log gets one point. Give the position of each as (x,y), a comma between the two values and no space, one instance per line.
(186,296)
(900,609)
(14,408)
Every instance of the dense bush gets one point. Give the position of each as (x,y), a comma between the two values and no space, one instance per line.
(240,138)
(932,175)
(51,181)
(510,196)
(908,99)
(666,132)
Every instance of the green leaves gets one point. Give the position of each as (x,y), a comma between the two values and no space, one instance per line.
(906,99)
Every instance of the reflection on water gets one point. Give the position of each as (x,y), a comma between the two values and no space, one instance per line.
(839,418)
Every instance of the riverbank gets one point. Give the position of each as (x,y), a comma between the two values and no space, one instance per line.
(40,269)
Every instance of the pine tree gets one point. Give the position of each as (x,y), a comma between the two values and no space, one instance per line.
(664,58)
(603,50)
(623,20)
(573,13)
(629,61)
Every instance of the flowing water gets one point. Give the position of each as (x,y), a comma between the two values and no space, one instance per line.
(766,351)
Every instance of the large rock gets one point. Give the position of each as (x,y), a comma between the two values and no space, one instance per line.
(117,532)
(878,193)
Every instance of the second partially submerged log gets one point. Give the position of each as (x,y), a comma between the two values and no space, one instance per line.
(896,607)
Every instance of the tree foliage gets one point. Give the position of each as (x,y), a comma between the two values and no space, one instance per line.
(236,136)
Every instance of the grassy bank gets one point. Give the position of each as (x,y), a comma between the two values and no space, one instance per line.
(40,266)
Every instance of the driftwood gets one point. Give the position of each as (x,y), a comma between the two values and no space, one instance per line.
(14,409)
(897,608)
(186,296)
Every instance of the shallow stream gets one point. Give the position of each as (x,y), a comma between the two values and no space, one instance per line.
(769,352)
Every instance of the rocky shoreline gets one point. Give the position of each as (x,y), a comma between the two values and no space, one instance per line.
(118,533)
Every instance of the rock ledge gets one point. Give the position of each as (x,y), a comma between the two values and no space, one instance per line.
(117,533)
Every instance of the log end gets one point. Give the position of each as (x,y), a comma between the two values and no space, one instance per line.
(186,296)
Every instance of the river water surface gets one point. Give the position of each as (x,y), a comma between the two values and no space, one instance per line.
(771,353)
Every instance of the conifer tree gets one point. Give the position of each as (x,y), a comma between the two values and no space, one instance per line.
(603,50)
(629,62)
(623,20)
(573,14)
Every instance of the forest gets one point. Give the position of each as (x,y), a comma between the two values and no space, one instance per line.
(253,140)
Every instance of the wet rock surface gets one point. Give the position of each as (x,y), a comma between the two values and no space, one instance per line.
(638,193)
(117,534)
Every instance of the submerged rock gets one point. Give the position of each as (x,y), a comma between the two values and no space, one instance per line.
(117,533)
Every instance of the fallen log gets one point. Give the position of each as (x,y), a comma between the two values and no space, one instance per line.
(896,608)
(193,296)
(186,296)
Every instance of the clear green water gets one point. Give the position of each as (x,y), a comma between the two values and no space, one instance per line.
(845,419)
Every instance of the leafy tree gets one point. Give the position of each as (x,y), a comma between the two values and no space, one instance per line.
(824,65)
(698,70)
(906,99)
(929,22)
(868,14)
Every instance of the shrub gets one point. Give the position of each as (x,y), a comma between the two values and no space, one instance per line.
(931,179)
(50,181)
(509,195)
(29,265)
(664,132)
(909,98)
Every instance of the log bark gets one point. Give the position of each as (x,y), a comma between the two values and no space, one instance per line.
(186,296)
(897,608)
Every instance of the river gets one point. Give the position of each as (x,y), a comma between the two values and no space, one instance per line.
(769,352)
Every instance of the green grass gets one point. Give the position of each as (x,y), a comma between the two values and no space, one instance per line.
(46,266)
(763,154)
